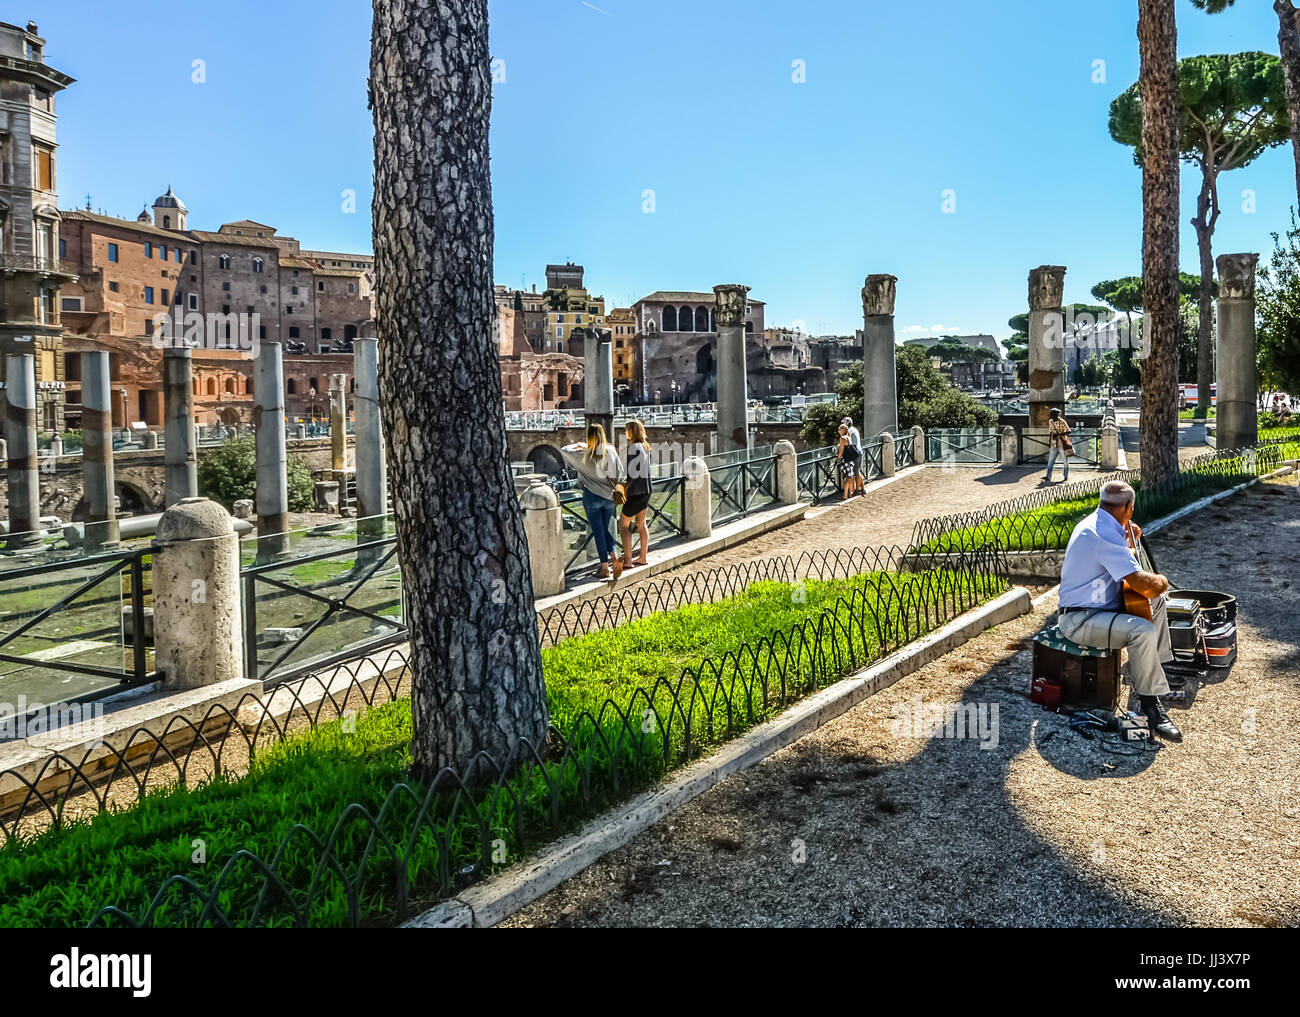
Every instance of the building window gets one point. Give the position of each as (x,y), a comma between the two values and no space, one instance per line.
(226,287)
(559,331)
(112,287)
(165,299)
(148,294)
(294,289)
(167,222)
(292,386)
(320,286)
(701,319)
(293,331)
(63,248)
(112,252)
(194,301)
(180,256)
(148,249)
(70,303)
(47,311)
(261,289)
(194,256)
(313,384)
(43,167)
(685,320)
(224,261)
(325,333)
(230,386)
(211,386)
(670,319)
(288,309)
(352,287)
(261,332)
(162,252)
(258,264)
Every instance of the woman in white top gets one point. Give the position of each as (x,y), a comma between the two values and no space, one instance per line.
(599,469)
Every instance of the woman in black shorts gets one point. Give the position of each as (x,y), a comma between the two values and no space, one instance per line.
(638,493)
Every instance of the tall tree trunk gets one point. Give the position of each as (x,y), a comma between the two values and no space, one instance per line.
(1207,214)
(477,683)
(1158,43)
(1288,42)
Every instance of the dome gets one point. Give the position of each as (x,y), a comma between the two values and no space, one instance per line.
(169,200)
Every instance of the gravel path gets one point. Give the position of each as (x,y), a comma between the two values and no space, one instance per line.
(859,825)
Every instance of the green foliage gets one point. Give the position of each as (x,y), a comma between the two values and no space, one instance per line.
(229,473)
(821,422)
(1278,307)
(1092,372)
(63,876)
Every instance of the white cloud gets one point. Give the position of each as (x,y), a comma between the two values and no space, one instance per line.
(932,328)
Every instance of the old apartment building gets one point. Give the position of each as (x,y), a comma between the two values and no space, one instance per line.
(243,282)
(31,273)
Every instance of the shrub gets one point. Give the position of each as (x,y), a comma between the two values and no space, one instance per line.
(229,473)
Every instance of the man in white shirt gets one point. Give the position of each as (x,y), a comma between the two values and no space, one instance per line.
(1099,559)
(855,439)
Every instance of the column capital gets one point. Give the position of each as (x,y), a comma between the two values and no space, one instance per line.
(1046,287)
(878,294)
(729,304)
(1236,276)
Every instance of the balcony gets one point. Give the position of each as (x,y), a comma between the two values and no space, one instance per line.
(51,268)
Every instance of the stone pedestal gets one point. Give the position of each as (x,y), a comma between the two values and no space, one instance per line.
(327,496)
(697,499)
(1108,454)
(544,531)
(887,454)
(196,596)
(1238,421)
(733,390)
(919,451)
(1046,343)
(879,374)
(1010,447)
(787,473)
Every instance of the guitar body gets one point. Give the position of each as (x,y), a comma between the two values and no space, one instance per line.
(1134,602)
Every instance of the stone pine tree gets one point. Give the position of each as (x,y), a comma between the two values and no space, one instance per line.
(1232,109)
(477,684)
(1288,45)
(1158,47)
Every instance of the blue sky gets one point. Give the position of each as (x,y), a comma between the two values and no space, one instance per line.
(797,189)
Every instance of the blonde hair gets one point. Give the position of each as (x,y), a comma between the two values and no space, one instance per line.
(635,430)
(595,441)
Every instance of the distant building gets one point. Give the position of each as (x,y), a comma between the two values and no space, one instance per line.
(31,238)
(979,375)
(532,305)
(677,342)
(621,322)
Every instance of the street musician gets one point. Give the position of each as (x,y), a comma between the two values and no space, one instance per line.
(1100,566)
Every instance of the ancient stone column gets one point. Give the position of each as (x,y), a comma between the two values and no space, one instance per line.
(20,434)
(879,383)
(1046,343)
(733,389)
(338,422)
(1238,421)
(272,493)
(97,451)
(598,379)
(371,460)
(181,455)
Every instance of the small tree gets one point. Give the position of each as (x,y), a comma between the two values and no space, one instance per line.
(228,474)
(1278,302)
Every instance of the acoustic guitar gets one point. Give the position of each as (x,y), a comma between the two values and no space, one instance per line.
(1134,602)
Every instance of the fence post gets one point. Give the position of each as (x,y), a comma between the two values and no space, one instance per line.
(1010,451)
(1108,458)
(886,454)
(544,531)
(697,497)
(787,473)
(196,596)
(918,444)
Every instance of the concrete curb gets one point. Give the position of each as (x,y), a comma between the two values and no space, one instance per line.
(484,905)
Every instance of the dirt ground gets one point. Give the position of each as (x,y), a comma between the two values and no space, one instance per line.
(861,823)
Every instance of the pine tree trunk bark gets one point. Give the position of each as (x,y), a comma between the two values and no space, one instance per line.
(1288,42)
(1158,44)
(477,684)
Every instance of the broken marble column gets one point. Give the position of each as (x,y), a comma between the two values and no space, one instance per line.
(97,452)
(733,425)
(20,434)
(879,381)
(181,454)
(598,380)
(1238,420)
(338,392)
(371,461)
(1046,343)
(272,492)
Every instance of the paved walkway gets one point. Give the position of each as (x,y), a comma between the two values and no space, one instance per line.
(861,823)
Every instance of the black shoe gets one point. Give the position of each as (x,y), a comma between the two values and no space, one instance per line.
(1158,721)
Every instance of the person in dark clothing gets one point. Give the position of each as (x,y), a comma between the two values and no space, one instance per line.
(638,493)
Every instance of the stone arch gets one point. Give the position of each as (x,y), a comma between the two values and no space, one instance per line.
(704,364)
(670,319)
(210,386)
(546,459)
(133,500)
(685,319)
(702,319)
(230,416)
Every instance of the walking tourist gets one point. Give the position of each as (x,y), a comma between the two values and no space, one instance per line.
(1060,446)
(855,436)
(638,493)
(601,473)
(849,459)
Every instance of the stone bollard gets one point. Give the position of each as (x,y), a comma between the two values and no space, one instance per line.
(196,596)
(887,465)
(151,440)
(787,473)
(327,496)
(523,481)
(544,531)
(918,444)
(302,432)
(697,498)
(1010,447)
(56,445)
(1109,452)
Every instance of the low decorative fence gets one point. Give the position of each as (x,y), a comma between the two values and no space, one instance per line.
(973,446)
(383,860)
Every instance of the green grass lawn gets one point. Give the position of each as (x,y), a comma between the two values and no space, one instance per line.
(322,780)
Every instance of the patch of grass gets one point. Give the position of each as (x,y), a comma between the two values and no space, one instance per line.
(322,780)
